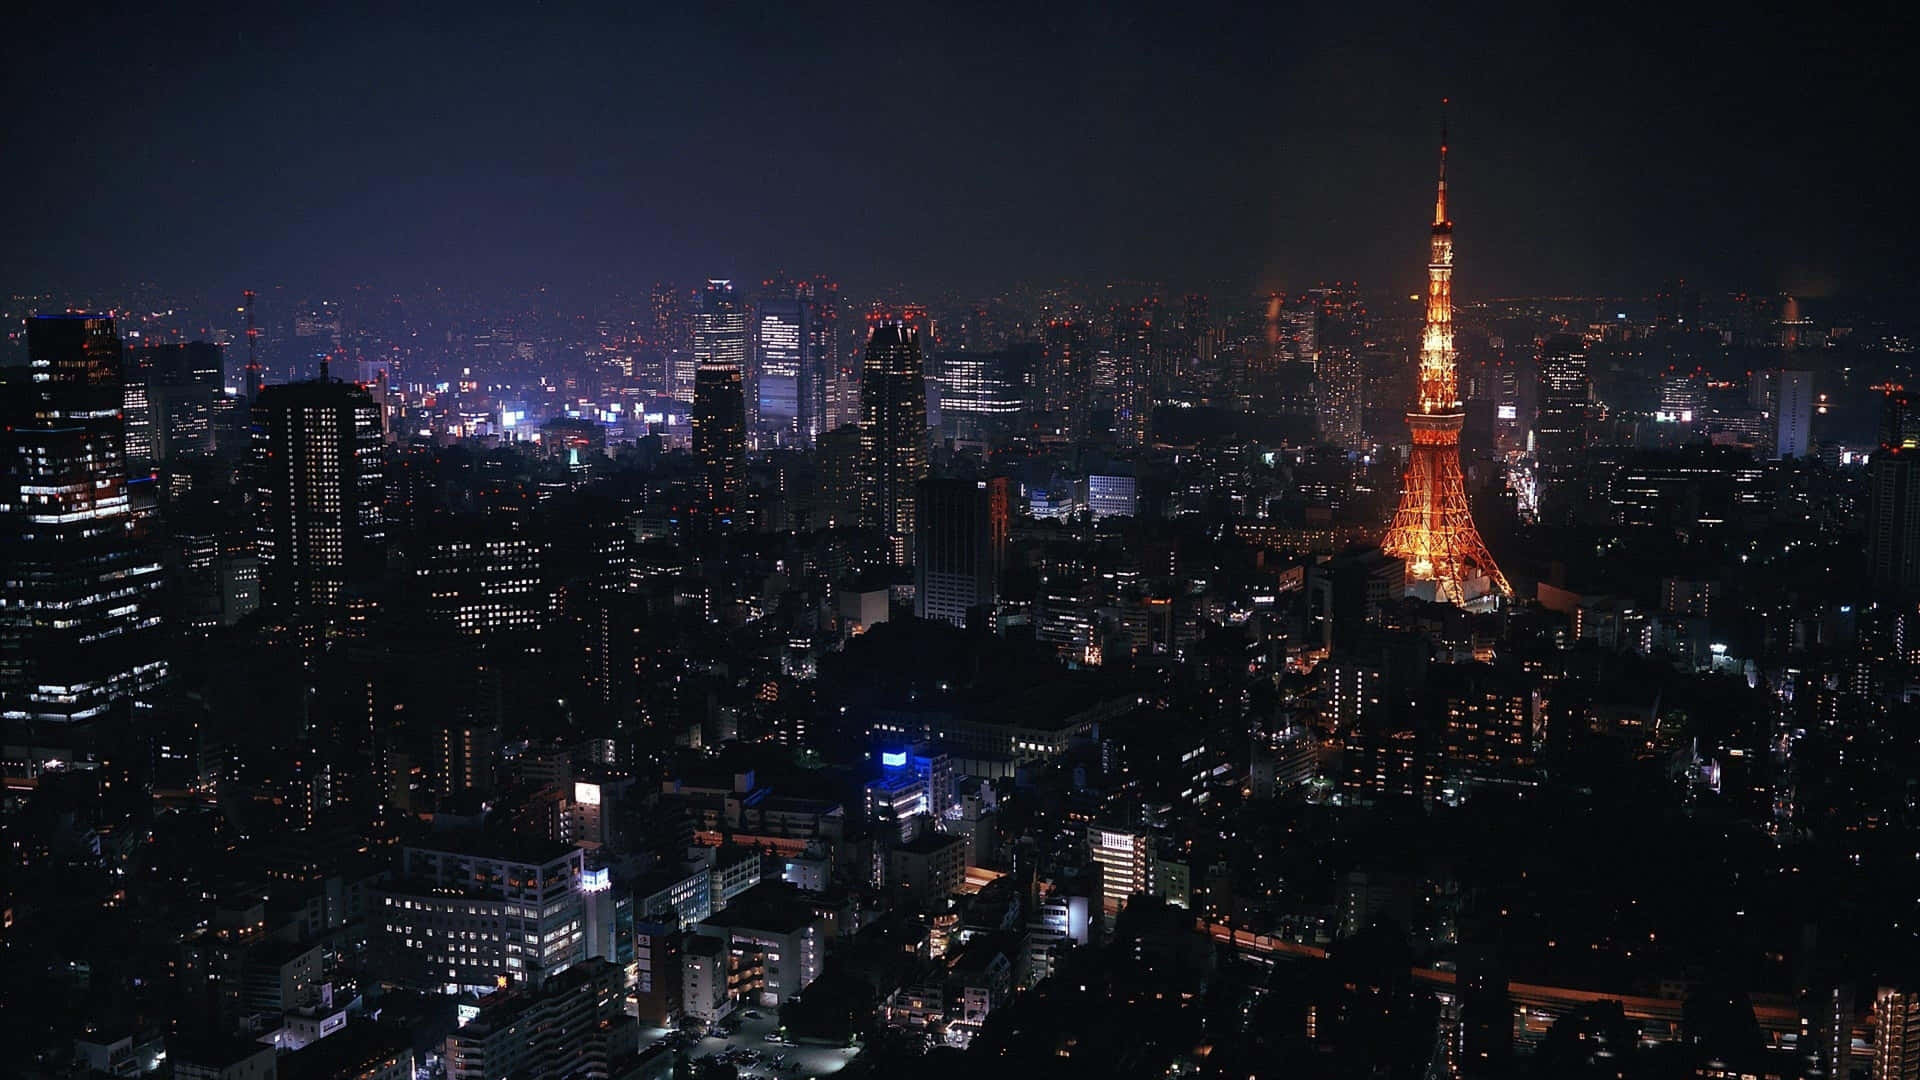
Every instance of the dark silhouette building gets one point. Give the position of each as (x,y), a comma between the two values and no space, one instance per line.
(953,570)
(1893,499)
(719,405)
(893,432)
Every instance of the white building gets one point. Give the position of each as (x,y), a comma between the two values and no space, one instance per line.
(470,912)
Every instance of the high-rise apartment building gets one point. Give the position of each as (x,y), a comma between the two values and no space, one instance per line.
(1339,381)
(319,479)
(1896,1037)
(1793,405)
(572,1027)
(953,569)
(1067,366)
(1893,498)
(893,432)
(79,620)
(719,404)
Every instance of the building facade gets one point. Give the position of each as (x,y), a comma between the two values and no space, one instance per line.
(319,480)
(893,433)
(79,613)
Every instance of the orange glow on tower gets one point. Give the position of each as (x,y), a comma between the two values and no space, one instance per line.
(1433,530)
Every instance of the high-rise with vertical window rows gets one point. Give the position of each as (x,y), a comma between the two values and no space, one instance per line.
(319,478)
(893,433)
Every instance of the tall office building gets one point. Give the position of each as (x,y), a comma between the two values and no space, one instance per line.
(1124,857)
(79,621)
(980,391)
(1560,429)
(170,397)
(1793,404)
(1893,498)
(953,570)
(719,405)
(822,364)
(786,380)
(319,478)
(893,432)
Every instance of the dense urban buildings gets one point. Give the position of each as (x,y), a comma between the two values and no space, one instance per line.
(1142,652)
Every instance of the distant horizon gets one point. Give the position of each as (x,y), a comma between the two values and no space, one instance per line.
(1259,147)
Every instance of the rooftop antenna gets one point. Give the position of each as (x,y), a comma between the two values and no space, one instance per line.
(254,381)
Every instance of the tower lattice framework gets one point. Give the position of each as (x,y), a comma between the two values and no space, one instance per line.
(1433,530)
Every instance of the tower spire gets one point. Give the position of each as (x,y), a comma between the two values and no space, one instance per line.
(1433,531)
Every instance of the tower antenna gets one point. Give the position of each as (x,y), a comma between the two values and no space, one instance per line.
(254,381)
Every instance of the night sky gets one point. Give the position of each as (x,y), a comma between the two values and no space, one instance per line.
(942,148)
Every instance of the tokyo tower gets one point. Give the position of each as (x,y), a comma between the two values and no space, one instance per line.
(1433,531)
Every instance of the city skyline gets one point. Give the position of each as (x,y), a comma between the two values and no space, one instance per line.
(747,544)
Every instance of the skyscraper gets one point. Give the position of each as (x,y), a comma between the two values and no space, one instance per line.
(79,622)
(175,388)
(1893,499)
(953,570)
(782,333)
(1068,366)
(1793,401)
(1338,385)
(719,405)
(893,432)
(319,477)
(1560,430)
(1433,530)
(980,391)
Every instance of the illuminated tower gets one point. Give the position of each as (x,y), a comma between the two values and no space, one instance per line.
(1433,531)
